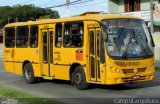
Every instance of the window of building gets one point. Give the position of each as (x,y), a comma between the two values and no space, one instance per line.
(1,39)
(1,36)
(132,5)
(10,37)
(34,36)
(73,34)
(58,35)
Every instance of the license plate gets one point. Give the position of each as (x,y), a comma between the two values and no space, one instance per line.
(136,77)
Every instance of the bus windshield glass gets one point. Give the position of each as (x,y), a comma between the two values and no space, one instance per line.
(127,38)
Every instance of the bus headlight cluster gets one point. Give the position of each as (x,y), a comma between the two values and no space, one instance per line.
(151,67)
(115,69)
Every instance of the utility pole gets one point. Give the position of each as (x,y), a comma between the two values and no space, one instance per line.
(151,15)
(8,20)
(68,6)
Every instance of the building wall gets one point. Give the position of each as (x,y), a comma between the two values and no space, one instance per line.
(121,6)
(113,6)
(117,6)
(145,5)
(1,50)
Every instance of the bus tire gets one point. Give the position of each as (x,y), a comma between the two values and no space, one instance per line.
(80,78)
(28,74)
(72,78)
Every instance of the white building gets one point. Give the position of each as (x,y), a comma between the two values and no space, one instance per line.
(140,8)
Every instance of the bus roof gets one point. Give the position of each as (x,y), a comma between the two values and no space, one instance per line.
(85,16)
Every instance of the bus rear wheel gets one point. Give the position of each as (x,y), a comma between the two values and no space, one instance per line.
(80,79)
(28,74)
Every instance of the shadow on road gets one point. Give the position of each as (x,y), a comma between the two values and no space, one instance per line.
(130,86)
(55,81)
(126,86)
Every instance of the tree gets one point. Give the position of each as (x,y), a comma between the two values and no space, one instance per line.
(24,13)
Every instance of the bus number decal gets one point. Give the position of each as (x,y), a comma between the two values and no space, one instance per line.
(7,51)
(58,58)
(93,25)
(125,64)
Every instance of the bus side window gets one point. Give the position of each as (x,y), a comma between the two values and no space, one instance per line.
(58,35)
(73,36)
(22,36)
(10,37)
(34,36)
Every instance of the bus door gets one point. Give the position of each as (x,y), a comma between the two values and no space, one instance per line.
(94,53)
(47,51)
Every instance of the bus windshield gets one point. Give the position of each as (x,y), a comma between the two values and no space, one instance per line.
(127,38)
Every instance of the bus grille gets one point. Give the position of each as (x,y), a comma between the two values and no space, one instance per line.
(141,70)
(131,71)
(128,71)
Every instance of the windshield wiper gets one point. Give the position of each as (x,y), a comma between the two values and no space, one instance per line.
(145,41)
(119,33)
(124,54)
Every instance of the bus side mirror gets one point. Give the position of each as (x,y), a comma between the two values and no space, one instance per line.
(149,29)
(153,44)
(105,37)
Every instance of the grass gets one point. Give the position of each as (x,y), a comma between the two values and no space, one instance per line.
(24,98)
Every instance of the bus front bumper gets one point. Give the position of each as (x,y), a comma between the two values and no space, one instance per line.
(116,78)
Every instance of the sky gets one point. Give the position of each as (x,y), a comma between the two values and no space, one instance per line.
(95,5)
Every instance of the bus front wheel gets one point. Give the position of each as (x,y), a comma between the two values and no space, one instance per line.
(80,78)
(28,74)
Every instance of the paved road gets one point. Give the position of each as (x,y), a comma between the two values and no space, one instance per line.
(62,90)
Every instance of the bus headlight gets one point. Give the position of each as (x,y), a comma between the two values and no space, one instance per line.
(115,70)
(111,68)
(118,70)
(150,67)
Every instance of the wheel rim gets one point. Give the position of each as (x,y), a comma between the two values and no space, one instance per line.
(28,73)
(78,78)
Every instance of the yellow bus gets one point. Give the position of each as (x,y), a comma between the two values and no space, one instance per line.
(89,48)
